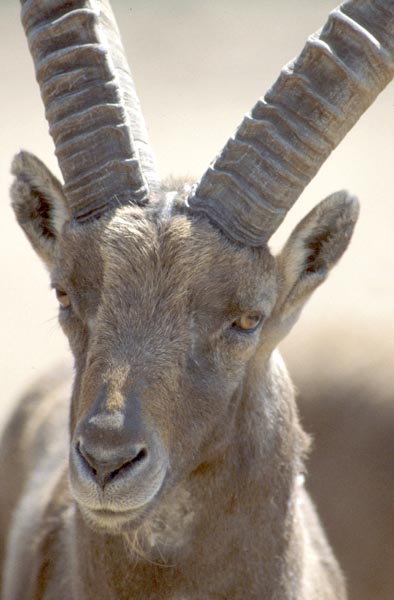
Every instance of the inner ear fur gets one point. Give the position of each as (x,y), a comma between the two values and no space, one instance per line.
(38,202)
(315,246)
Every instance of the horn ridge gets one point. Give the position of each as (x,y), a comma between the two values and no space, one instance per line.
(294,94)
(251,197)
(92,118)
(261,134)
(283,142)
(62,31)
(378,12)
(246,157)
(292,131)
(48,11)
(260,146)
(75,90)
(114,178)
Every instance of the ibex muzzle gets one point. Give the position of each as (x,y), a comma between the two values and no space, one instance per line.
(117,462)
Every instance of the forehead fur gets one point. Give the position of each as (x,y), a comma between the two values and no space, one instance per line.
(152,257)
(181,256)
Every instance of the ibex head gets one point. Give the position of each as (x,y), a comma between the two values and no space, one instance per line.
(173,303)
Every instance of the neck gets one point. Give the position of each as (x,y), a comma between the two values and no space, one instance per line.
(238,509)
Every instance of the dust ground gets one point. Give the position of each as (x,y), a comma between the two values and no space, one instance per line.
(199,66)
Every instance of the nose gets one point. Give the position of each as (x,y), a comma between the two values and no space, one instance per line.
(109,448)
(104,467)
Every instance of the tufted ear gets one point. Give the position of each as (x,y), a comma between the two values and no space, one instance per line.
(39,204)
(314,247)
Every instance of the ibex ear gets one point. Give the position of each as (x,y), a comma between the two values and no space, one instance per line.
(314,247)
(39,204)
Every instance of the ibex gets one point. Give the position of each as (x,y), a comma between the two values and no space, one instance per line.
(185,456)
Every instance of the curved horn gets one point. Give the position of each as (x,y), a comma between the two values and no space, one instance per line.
(288,135)
(90,103)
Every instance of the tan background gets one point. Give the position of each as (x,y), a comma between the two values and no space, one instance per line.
(199,66)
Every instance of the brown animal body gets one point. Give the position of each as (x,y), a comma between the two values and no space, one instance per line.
(182,476)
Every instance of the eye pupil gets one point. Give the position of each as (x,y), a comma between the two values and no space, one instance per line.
(63,298)
(248,321)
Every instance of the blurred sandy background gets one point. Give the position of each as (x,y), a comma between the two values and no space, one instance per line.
(199,66)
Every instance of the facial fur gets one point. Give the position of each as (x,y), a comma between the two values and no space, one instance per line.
(153,301)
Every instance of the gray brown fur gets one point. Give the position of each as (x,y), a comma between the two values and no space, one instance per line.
(154,293)
(185,472)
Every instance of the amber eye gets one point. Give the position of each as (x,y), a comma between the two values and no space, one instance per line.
(63,298)
(248,322)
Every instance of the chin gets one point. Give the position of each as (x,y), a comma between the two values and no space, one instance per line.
(124,516)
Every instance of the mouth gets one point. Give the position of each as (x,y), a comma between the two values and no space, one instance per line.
(118,517)
(115,521)
(121,503)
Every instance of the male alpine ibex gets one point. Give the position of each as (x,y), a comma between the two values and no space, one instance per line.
(184,477)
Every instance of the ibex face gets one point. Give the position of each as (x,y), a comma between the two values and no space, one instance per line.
(161,363)
(169,323)
(173,308)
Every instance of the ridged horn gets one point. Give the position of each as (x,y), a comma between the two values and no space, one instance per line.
(288,135)
(91,104)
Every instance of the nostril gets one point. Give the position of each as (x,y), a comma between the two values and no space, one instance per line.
(140,456)
(86,457)
(129,464)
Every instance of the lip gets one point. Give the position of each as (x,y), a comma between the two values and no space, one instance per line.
(107,513)
(114,521)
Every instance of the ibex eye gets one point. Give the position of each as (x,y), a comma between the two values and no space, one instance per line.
(248,322)
(63,298)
